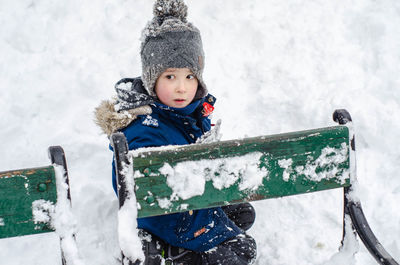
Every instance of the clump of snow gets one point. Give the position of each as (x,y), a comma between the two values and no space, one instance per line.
(59,216)
(224,172)
(187,179)
(63,220)
(125,86)
(348,250)
(329,156)
(286,164)
(42,210)
(128,236)
(252,174)
(140,151)
(1,222)
(164,203)
(353,165)
(353,195)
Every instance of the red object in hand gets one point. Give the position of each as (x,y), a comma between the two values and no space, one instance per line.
(207,109)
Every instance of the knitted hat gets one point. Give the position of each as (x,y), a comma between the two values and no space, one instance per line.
(169,41)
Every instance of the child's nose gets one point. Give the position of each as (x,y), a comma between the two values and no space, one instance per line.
(181,87)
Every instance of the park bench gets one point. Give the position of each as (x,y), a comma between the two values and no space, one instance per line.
(27,194)
(183,178)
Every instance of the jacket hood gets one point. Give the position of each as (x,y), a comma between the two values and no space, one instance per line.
(131,94)
(132,100)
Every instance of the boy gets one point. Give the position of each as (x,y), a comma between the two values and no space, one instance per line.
(169,105)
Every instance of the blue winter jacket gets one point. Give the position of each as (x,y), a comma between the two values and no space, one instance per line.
(174,126)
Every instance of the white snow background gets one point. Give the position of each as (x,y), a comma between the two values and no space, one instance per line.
(275,66)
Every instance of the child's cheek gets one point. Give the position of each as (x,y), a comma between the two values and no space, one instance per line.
(163,95)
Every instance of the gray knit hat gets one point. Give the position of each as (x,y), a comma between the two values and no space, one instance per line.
(169,41)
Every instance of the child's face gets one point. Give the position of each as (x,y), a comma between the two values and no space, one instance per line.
(176,87)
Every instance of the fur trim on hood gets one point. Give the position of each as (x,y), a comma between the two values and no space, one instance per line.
(111,121)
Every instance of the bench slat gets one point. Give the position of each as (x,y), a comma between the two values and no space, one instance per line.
(289,164)
(18,190)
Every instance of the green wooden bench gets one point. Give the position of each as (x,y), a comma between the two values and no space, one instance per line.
(25,195)
(183,178)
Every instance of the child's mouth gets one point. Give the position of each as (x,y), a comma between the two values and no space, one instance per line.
(179,100)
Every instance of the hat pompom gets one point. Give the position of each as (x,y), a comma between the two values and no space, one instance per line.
(170,8)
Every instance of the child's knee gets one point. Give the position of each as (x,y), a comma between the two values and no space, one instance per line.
(242,214)
(241,250)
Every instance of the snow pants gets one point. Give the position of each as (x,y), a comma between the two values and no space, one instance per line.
(241,250)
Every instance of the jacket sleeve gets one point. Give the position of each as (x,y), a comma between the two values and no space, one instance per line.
(139,136)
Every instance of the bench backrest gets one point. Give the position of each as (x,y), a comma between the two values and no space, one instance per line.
(169,180)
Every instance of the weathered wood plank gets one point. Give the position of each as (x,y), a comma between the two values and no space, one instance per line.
(241,170)
(18,191)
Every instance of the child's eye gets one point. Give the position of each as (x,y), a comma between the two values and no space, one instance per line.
(169,76)
(190,77)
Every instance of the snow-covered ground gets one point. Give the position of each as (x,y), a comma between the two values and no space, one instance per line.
(275,66)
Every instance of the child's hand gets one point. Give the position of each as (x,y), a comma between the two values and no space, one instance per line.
(212,135)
